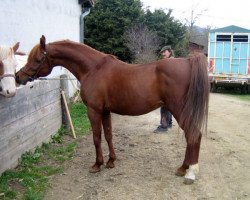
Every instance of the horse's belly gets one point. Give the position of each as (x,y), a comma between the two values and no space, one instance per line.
(135,109)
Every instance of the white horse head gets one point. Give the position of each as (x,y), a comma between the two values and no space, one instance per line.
(8,65)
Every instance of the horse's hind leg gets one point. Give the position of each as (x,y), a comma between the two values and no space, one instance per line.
(190,166)
(107,127)
(95,120)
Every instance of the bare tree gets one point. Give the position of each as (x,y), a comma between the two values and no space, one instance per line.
(200,36)
(196,34)
(143,43)
(196,13)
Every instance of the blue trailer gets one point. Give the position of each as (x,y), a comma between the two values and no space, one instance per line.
(229,58)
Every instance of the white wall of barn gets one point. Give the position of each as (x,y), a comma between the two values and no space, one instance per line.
(25,21)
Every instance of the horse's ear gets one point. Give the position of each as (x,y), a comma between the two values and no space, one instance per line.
(20,53)
(42,42)
(16,46)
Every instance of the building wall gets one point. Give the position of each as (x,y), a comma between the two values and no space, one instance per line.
(25,21)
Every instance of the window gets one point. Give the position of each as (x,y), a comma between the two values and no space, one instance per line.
(223,38)
(236,38)
(240,38)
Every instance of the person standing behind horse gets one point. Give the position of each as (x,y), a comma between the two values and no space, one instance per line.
(166,117)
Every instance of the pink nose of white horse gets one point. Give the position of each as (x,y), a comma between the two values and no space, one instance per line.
(11,92)
(8,92)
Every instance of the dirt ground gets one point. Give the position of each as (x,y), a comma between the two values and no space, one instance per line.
(147,161)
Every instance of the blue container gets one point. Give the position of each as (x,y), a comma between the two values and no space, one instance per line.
(229,55)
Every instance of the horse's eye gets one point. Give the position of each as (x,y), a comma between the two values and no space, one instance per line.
(38,61)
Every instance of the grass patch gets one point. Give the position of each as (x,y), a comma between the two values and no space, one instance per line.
(30,179)
(243,97)
(234,92)
(63,153)
(79,118)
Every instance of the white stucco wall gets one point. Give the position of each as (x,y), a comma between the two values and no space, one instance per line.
(25,21)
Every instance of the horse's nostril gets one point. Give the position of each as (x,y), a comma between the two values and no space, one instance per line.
(7,91)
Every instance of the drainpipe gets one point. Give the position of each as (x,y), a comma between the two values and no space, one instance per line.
(85,12)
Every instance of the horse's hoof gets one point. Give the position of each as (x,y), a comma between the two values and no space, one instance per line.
(188,181)
(94,169)
(110,165)
(180,172)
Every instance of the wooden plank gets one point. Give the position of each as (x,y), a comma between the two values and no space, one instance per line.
(20,110)
(29,130)
(13,155)
(10,159)
(31,117)
(28,119)
(10,130)
(26,102)
(30,91)
(30,142)
(28,134)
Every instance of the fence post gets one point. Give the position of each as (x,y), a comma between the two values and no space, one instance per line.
(65,88)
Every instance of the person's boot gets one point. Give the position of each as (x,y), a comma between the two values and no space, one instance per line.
(161,129)
(170,125)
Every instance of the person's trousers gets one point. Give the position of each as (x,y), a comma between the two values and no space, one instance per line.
(166,117)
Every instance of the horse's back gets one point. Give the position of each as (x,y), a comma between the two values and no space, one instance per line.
(176,68)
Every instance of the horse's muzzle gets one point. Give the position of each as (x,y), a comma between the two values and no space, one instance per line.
(18,79)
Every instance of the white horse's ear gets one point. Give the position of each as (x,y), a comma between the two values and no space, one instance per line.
(43,42)
(16,46)
(20,53)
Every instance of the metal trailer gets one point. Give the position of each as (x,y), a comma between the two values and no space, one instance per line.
(229,58)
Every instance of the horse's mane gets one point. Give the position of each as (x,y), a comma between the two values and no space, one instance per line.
(69,42)
(89,49)
(112,56)
(5,52)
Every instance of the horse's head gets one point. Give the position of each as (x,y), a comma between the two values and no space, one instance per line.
(38,64)
(7,70)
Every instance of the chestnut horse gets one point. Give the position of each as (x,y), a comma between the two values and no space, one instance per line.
(8,65)
(110,85)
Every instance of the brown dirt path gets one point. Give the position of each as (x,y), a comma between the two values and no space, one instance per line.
(147,161)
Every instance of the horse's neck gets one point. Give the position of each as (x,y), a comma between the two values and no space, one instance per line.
(78,59)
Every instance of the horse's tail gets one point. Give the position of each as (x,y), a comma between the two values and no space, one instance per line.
(195,111)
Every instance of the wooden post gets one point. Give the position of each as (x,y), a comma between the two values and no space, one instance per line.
(68,114)
(66,118)
(65,88)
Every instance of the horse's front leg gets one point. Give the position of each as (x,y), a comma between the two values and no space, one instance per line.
(96,120)
(190,167)
(107,127)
